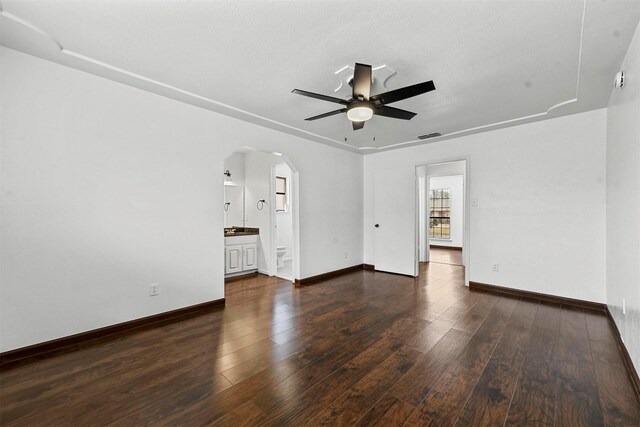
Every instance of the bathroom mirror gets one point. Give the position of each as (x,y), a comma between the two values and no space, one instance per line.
(233,206)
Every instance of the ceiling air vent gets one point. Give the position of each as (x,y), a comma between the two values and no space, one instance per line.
(430,135)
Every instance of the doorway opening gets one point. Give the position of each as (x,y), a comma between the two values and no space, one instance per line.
(260,214)
(283,221)
(442,213)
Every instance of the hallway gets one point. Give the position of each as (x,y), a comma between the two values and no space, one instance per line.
(444,255)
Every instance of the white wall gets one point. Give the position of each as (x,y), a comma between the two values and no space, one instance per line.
(456,185)
(284,220)
(623,202)
(234,193)
(235,165)
(107,189)
(523,177)
(257,184)
(234,213)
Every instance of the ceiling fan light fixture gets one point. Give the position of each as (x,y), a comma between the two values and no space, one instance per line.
(359,112)
(362,106)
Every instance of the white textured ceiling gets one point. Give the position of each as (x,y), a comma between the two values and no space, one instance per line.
(494,63)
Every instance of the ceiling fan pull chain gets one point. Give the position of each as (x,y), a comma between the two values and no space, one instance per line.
(373,123)
(346,129)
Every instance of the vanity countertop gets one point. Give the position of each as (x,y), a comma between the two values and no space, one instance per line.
(241,231)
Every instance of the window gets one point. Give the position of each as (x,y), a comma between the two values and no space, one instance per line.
(281,194)
(440,214)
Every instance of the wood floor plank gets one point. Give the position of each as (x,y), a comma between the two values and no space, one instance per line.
(366,348)
(533,399)
(414,386)
(284,380)
(446,399)
(577,401)
(319,396)
(475,316)
(247,414)
(489,401)
(356,401)
(309,375)
(387,412)
(617,400)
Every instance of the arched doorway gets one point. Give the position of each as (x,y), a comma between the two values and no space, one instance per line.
(261,191)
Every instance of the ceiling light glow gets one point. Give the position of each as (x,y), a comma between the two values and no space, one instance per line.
(361,113)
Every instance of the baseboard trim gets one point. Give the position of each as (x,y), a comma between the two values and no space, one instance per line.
(483,287)
(331,274)
(626,357)
(326,276)
(446,247)
(396,274)
(240,277)
(21,356)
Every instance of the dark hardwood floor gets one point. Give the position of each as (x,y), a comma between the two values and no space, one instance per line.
(361,349)
(445,255)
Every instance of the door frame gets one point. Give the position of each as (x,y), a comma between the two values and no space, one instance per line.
(295,222)
(466,212)
(427,238)
(270,249)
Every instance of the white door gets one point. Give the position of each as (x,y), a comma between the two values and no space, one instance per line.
(250,259)
(395,220)
(233,259)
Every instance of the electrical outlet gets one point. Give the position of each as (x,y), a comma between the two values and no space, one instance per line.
(154,289)
(495,267)
(474,203)
(624,306)
(346,255)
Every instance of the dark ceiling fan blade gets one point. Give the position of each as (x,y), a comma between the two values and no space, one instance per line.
(319,96)
(395,113)
(362,82)
(330,113)
(357,125)
(404,93)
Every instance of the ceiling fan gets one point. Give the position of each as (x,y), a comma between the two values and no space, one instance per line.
(362,106)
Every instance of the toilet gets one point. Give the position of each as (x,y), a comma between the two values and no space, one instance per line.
(280,251)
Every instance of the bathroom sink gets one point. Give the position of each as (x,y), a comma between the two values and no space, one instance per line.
(241,231)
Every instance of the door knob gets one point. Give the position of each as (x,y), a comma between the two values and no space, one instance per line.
(377,225)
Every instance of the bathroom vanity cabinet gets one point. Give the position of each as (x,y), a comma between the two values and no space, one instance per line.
(240,254)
